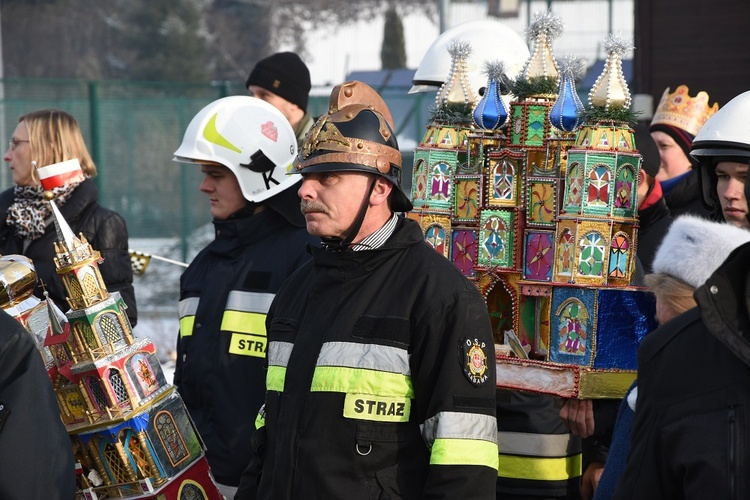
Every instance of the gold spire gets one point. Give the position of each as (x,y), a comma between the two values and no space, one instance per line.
(543,30)
(610,89)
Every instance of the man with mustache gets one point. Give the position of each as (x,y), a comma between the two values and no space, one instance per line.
(381,372)
(244,147)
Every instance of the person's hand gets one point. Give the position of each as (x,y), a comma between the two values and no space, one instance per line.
(590,480)
(578,416)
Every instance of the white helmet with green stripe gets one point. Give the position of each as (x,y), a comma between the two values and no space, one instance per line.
(250,137)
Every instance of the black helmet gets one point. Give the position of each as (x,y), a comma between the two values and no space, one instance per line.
(356,135)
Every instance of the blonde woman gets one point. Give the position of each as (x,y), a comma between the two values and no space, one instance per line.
(26,227)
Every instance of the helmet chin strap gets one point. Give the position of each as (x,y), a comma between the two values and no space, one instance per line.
(336,244)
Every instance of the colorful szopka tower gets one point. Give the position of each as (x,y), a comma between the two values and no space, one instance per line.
(130,431)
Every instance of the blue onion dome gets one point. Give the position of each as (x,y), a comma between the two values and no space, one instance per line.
(491,112)
(568,108)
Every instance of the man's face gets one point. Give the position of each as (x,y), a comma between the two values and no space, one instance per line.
(278,102)
(331,201)
(223,190)
(730,187)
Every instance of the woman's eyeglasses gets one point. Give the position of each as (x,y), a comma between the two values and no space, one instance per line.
(13,143)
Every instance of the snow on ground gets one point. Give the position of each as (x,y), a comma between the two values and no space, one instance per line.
(157,292)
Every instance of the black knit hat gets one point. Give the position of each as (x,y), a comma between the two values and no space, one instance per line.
(285,75)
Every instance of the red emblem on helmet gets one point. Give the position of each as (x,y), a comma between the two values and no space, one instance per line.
(269,130)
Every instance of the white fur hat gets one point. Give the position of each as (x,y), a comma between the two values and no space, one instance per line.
(694,248)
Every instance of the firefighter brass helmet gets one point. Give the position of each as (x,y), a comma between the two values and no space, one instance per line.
(356,135)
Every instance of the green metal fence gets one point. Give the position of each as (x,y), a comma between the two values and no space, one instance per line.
(132,129)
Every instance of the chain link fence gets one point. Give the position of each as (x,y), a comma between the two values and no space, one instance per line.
(132,129)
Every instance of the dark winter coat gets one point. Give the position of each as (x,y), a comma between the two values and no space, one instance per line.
(224,297)
(36,456)
(370,392)
(692,421)
(686,197)
(104,229)
(653,223)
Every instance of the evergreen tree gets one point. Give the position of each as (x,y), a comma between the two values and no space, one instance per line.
(393,51)
(166,42)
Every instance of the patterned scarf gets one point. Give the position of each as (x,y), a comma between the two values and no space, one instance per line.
(30,210)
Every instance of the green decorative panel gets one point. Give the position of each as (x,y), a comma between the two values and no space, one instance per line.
(626,186)
(574,185)
(598,180)
(537,120)
(517,125)
(497,238)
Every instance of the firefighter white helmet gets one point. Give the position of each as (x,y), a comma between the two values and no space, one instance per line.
(248,136)
(724,137)
(490,41)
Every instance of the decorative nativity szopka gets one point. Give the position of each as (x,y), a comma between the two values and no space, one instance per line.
(131,434)
(538,206)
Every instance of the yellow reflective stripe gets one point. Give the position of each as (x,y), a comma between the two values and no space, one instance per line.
(244,322)
(186,326)
(377,408)
(260,421)
(248,345)
(539,468)
(361,381)
(275,378)
(186,310)
(464,452)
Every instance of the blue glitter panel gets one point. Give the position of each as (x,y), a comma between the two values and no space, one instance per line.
(624,318)
(572,324)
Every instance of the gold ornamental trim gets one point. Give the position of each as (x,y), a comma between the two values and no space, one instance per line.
(381,163)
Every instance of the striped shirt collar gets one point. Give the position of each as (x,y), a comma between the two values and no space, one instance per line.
(378,238)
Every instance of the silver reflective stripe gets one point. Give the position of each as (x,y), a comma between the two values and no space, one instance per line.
(278,353)
(458,425)
(249,301)
(538,445)
(188,307)
(367,356)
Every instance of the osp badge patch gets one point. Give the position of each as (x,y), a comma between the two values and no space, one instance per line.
(474,360)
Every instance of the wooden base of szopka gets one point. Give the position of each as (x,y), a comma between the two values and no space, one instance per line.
(557,379)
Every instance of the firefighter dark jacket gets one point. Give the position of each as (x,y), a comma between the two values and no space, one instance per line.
(224,297)
(381,380)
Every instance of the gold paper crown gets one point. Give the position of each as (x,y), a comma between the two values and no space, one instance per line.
(682,111)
